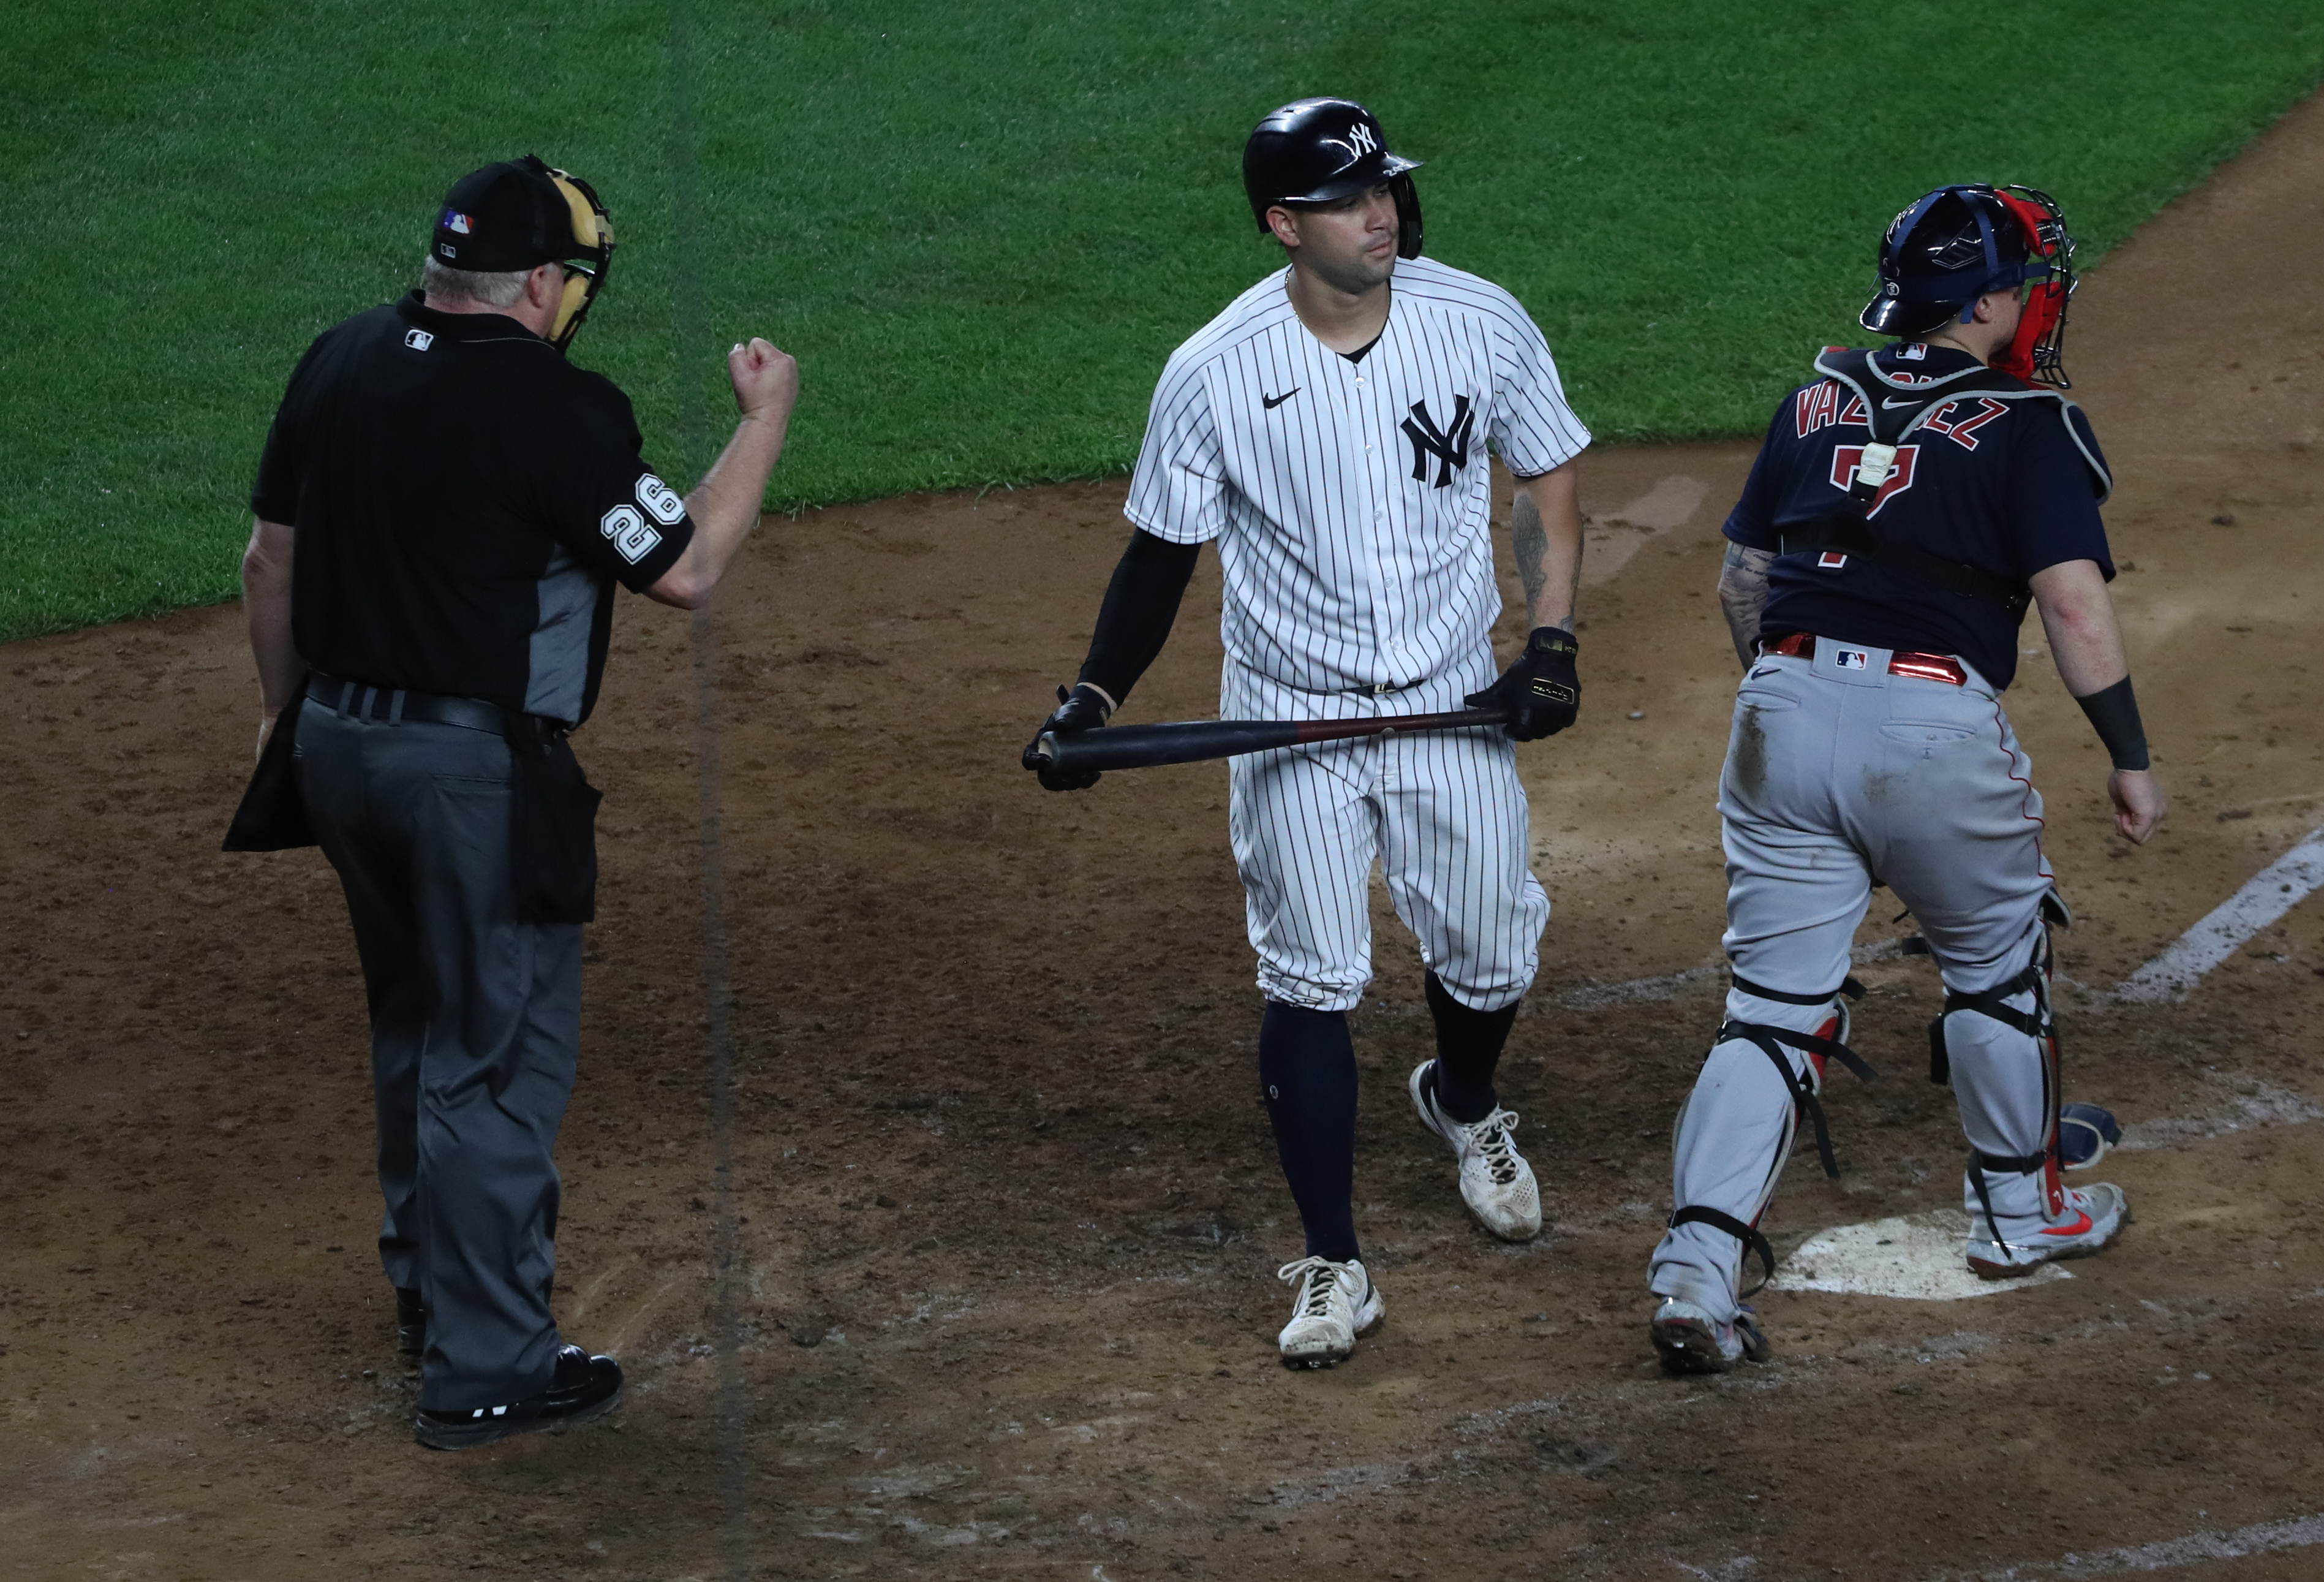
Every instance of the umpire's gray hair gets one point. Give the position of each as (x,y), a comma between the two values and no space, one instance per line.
(497,289)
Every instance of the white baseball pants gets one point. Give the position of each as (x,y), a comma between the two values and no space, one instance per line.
(1443,813)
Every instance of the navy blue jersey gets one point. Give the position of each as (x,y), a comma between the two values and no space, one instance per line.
(2001,485)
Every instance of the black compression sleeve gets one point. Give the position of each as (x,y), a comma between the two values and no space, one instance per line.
(1140,603)
(2114,715)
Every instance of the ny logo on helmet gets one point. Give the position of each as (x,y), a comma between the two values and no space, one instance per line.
(1449,447)
(1361,139)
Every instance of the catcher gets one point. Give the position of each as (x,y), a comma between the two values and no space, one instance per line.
(1907,508)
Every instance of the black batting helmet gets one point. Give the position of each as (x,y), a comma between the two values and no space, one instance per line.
(1317,150)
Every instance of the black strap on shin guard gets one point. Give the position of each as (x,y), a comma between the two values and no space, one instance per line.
(1770,1042)
(1848,985)
(2010,1164)
(1749,1235)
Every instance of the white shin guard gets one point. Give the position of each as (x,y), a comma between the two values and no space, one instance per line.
(1734,1136)
(1999,1049)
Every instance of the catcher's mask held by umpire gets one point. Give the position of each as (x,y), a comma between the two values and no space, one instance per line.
(1953,245)
(1315,150)
(521,214)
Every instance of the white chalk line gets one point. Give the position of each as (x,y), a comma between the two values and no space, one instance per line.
(2266,896)
(2168,1554)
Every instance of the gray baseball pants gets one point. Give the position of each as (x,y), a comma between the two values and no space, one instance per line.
(475,1022)
(1839,774)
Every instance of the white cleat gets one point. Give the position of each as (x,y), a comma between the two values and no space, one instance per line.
(1336,1303)
(1496,1181)
(2094,1216)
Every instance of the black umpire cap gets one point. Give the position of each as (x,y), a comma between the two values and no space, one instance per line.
(1313,151)
(506,216)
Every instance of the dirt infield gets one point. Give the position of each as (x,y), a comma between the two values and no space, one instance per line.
(1009,1210)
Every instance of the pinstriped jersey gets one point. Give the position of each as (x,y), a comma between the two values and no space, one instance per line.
(1352,500)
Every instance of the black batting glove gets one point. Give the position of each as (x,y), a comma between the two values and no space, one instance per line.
(1083,709)
(1539,685)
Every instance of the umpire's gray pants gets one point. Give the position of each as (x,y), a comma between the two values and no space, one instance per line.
(1839,773)
(475,1022)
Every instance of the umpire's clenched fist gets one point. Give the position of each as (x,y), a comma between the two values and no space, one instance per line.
(1540,686)
(1083,709)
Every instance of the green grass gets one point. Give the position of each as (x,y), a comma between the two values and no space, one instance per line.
(982,227)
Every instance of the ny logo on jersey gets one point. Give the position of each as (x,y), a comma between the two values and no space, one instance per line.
(1845,459)
(1449,447)
(1361,139)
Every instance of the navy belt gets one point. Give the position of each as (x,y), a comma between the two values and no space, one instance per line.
(395,706)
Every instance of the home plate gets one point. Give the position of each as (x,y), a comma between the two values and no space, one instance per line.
(1917,1256)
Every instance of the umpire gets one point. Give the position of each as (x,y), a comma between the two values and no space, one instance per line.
(443,508)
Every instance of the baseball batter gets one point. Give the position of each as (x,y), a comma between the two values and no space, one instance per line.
(1906,508)
(1330,430)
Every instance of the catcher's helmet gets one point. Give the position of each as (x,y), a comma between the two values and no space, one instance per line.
(1317,150)
(1955,244)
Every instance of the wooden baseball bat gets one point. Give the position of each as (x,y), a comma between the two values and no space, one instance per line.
(1144,746)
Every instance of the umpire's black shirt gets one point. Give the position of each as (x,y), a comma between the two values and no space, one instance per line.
(464,499)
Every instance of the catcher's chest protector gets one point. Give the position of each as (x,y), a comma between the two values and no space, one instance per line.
(1895,405)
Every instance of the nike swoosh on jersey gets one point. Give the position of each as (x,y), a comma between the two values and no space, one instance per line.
(1888,401)
(2069,1230)
(1271,402)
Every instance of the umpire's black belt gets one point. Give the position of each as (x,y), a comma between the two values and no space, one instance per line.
(395,705)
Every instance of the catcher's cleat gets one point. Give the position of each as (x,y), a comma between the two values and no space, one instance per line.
(410,1322)
(1690,1341)
(2085,1132)
(2001,1247)
(1336,1303)
(1496,1181)
(583,1389)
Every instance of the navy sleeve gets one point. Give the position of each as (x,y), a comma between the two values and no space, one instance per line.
(1752,522)
(609,509)
(2053,499)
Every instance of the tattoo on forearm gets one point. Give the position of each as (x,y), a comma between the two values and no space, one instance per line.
(1743,596)
(1529,541)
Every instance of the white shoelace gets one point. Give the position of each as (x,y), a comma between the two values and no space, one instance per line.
(1323,1278)
(1490,1137)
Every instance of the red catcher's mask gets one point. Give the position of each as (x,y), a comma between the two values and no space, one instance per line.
(2034,352)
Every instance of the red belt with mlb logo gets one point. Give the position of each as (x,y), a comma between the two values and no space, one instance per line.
(1928,667)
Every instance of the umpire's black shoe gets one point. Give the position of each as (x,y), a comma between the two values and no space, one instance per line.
(585,1388)
(410,1322)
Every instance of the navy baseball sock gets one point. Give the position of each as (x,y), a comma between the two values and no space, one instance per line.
(1307,1074)
(1468,1046)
